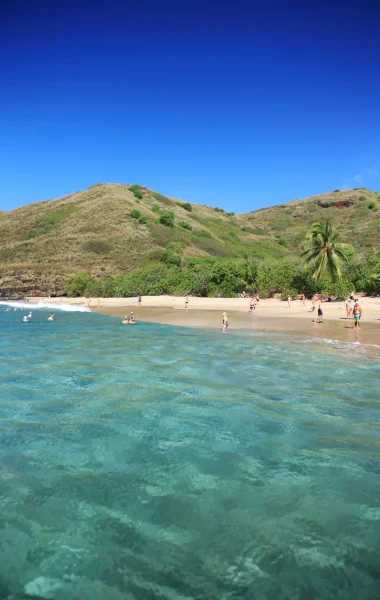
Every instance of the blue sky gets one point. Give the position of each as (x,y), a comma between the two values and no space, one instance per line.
(238,105)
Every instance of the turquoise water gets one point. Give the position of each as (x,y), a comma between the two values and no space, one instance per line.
(153,462)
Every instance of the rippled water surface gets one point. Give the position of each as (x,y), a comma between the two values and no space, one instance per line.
(153,462)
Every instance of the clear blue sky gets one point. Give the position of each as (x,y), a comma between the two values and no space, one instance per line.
(238,105)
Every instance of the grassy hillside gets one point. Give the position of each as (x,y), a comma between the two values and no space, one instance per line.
(43,244)
(355,213)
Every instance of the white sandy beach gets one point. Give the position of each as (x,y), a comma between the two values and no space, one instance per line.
(271,314)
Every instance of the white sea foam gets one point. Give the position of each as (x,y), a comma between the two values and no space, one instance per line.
(54,306)
(347,346)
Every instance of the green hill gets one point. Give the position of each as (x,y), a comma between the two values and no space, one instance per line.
(110,229)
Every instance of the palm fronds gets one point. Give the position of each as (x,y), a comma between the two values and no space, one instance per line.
(323,252)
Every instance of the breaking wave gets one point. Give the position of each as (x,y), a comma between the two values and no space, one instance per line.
(45,305)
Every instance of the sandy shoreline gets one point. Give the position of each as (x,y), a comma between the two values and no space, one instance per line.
(271,315)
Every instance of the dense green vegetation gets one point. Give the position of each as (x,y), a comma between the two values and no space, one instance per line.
(227,277)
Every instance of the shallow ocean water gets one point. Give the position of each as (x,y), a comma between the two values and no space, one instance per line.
(154,462)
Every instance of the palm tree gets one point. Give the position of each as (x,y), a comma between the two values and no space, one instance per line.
(324,252)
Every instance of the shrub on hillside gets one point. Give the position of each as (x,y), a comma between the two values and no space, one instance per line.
(142,219)
(186,205)
(170,258)
(230,214)
(243,228)
(136,190)
(167,219)
(282,241)
(135,214)
(336,191)
(216,209)
(175,247)
(371,205)
(185,225)
(97,246)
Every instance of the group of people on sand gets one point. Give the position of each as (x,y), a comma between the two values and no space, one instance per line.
(354,310)
(89,302)
(129,319)
(254,301)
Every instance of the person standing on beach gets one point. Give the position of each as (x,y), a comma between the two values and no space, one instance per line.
(313,301)
(349,308)
(289,299)
(225,322)
(139,299)
(357,315)
(98,302)
(303,298)
(89,303)
(320,313)
(186,301)
(252,303)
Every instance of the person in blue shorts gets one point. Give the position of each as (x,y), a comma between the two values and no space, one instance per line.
(357,315)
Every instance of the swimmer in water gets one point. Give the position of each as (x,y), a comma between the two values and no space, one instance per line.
(30,315)
(25,319)
(127,321)
(51,317)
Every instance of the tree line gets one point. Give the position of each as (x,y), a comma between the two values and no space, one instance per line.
(325,265)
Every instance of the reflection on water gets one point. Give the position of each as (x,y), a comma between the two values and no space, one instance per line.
(161,463)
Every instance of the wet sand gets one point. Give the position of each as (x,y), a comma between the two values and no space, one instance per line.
(341,330)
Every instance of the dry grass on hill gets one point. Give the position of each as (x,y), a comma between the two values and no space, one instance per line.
(93,230)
